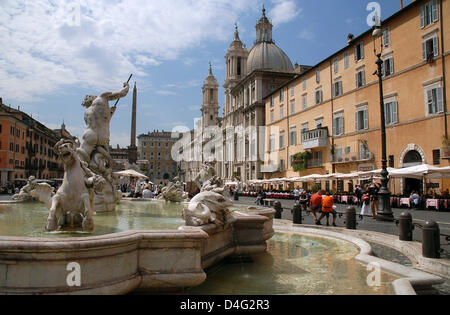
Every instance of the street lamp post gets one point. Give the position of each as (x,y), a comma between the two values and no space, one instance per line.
(385,211)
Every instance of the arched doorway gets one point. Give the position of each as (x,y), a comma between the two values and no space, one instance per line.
(413,158)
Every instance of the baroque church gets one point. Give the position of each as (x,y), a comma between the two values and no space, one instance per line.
(250,77)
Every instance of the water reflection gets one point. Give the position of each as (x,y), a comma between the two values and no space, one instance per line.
(296,265)
(29,219)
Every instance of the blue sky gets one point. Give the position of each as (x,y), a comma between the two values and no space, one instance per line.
(52,57)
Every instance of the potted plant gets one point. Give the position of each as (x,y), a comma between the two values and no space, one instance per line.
(445,150)
(300,161)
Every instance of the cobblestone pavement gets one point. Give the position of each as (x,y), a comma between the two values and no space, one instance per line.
(369,224)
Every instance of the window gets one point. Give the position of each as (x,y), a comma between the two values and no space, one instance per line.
(435,104)
(282,165)
(282,140)
(337,89)
(360,78)
(391,161)
(11,130)
(338,125)
(239,66)
(429,13)
(281,112)
(292,107)
(318,75)
(272,118)
(386,37)
(272,143)
(293,136)
(319,123)
(362,119)
(338,154)
(359,52)
(430,48)
(292,91)
(304,83)
(390,111)
(346,60)
(17,148)
(281,95)
(436,157)
(388,66)
(271,101)
(11,146)
(304,104)
(336,65)
(305,127)
(318,97)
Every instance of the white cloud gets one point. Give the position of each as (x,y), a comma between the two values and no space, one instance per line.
(43,50)
(283,11)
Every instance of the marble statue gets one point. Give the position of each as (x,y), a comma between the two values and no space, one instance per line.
(74,200)
(174,191)
(42,192)
(206,173)
(214,184)
(208,208)
(94,148)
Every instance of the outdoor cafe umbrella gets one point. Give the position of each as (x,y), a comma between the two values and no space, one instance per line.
(131,173)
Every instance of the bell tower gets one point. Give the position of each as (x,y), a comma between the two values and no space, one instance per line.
(210,106)
(236,67)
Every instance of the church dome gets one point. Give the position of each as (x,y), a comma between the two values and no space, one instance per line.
(265,55)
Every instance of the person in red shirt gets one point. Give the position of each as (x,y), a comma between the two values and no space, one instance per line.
(327,208)
(316,204)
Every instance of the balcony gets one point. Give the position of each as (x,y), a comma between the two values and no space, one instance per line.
(355,157)
(314,163)
(313,139)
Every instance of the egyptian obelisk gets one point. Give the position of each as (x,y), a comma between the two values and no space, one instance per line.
(132,149)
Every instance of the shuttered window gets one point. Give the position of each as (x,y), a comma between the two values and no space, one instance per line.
(390,112)
(362,119)
(435,102)
(429,13)
(360,79)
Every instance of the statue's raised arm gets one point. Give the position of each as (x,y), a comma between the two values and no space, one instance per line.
(111,96)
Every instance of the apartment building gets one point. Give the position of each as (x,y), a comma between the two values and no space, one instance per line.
(332,111)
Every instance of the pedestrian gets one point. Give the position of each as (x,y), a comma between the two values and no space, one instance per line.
(296,195)
(316,205)
(359,194)
(327,209)
(303,200)
(415,199)
(365,209)
(374,188)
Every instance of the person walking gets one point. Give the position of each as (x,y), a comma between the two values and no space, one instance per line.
(365,209)
(359,194)
(374,188)
(296,195)
(327,209)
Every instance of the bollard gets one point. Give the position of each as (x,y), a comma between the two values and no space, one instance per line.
(405,227)
(350,218)
(278,209)
(431,242)
(297,214)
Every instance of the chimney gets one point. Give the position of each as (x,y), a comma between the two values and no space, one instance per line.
(350,38)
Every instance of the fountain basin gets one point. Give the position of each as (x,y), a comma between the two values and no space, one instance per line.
(120,263)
